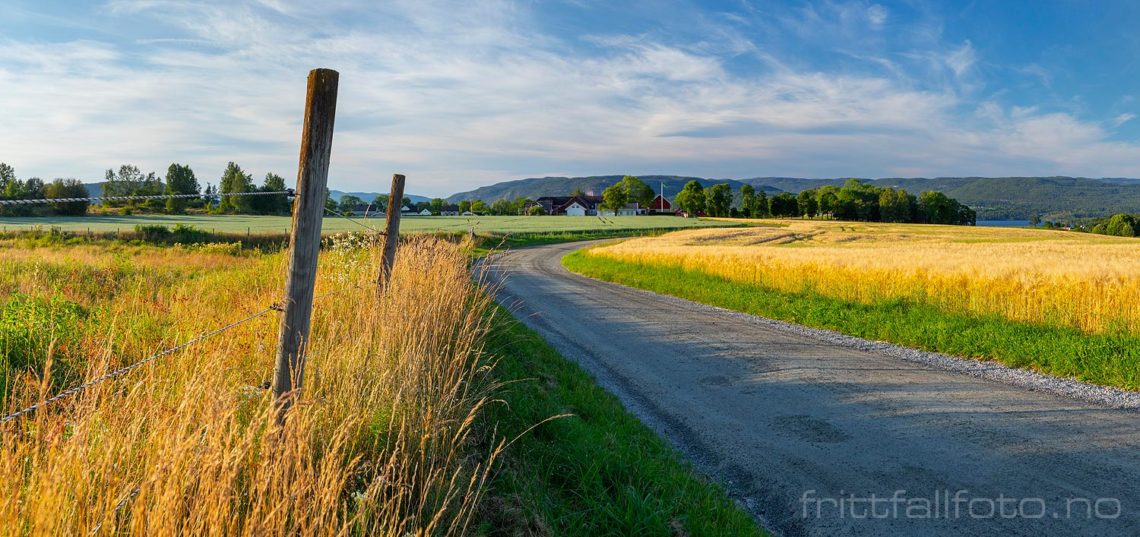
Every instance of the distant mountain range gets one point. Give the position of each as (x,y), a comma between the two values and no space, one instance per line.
(594,185)
(369,196)
(994,198)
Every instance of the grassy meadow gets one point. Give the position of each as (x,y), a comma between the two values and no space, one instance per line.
(421,413)
(1061,302)
(381,441)
(240,224)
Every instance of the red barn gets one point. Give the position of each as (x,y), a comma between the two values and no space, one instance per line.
(660,205)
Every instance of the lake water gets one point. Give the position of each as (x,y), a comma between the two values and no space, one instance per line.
(1003,223)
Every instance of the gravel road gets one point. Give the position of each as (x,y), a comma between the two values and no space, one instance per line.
(824,435)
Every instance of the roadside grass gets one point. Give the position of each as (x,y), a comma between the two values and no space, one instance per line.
(1109,358)
(381,440)
(598,471)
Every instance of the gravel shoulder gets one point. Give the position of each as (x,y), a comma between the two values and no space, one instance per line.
(818,433)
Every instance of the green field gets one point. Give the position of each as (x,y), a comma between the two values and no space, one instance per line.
(413,224)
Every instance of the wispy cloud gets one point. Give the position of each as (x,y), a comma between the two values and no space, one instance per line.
(960,60)
(457,94)
(877,15)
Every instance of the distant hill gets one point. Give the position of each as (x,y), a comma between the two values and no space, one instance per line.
(95,190)
(561,186)
(994,198)
(369,196)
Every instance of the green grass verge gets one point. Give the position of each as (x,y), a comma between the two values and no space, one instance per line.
(1108,359)
(599,472)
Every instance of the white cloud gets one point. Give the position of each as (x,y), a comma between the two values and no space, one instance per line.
(961,59)
(1122,119)
(456,95)
(877,15)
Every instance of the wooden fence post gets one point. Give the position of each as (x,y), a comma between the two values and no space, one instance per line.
(391,231)
(305,239)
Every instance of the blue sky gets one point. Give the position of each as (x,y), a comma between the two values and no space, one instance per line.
(460,94)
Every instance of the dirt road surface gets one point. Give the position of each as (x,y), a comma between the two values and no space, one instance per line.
(817,438)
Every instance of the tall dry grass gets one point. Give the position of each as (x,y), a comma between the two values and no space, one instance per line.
(1089,282)
(381,441)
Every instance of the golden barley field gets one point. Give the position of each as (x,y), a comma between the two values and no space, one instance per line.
(381,441)
(1090,282)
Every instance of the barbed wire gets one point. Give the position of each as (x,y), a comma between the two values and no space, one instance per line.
(287,192)
(276,306)
(127,369)
(130,496)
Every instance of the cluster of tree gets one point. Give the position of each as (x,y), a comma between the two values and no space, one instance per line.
(715,200)
(1119,225)
(34,188)
(235,180)
(349,203)
(855,200)
(501,207)
(629,190)
(180,180)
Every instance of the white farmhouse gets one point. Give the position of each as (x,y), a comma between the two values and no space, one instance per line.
(575,209)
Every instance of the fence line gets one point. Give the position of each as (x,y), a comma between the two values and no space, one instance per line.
(127,369)
(287,192)
(276,306)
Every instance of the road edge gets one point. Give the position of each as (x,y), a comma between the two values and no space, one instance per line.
(1063,387)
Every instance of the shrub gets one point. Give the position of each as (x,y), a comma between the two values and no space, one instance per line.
(29,326)
(154,232)
(189,234)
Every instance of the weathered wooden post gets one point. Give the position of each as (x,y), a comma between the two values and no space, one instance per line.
(305,238)
(391,231)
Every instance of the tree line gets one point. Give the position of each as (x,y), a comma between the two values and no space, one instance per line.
(129,180)
(855,200)
(500,207)
(180,179)
(34,188)
(1119,225)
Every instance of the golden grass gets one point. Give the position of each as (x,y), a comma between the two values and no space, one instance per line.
(380,442)
(1090,282)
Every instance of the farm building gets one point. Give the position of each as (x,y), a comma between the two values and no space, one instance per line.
(660,205)
(630,209)
(570,205)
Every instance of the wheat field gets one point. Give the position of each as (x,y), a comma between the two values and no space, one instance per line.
(1057,278)
(381,442)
